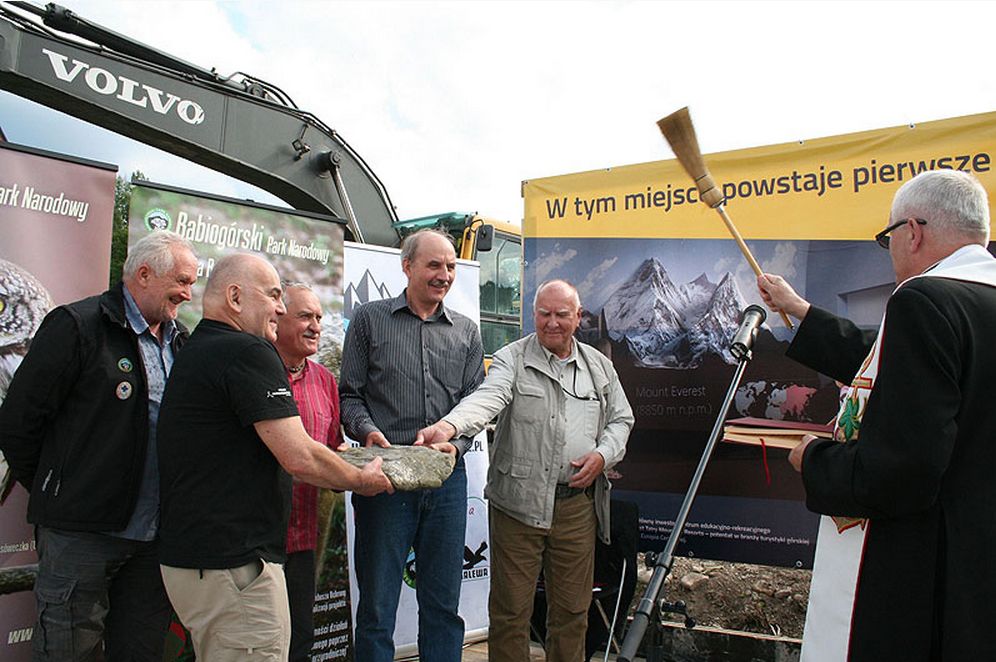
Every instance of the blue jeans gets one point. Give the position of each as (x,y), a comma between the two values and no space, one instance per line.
(95,589)
(433,523)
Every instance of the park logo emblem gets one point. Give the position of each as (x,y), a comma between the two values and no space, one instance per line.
(410,572)
(158,219)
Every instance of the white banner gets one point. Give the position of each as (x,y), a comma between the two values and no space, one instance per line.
(371,273)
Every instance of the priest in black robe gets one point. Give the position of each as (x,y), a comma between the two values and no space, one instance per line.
(908,478)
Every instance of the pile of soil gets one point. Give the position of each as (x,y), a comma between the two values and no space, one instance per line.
(736,596)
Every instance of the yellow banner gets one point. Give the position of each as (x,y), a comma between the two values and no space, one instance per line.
(830,188)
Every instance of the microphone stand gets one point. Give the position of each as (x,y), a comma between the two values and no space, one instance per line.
(649,607)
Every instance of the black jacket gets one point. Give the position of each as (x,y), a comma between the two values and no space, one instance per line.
(74,425)
(921,470)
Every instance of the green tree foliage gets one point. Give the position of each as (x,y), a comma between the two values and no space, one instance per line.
(119,228)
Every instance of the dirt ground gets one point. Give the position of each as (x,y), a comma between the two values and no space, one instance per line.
(736,596)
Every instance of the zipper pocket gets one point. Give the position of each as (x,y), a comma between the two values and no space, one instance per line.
(48,477)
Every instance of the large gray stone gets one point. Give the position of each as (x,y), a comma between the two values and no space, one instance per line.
(407,467)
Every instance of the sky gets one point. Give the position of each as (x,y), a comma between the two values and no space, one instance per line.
(454,104)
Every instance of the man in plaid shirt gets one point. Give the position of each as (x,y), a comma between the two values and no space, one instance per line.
(317,397)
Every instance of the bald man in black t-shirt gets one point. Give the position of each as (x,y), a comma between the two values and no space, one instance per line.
(229,435)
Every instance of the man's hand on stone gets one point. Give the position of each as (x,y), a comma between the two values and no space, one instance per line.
(376,438)
(437,436)
(372,479)
(588,467)
(444,447)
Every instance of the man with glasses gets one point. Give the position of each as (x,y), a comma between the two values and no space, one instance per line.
(883,237)
(563,420)
(904,568)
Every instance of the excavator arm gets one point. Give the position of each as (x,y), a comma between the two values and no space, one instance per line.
(238,125)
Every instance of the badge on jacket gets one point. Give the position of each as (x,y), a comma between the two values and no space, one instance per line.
(124,390)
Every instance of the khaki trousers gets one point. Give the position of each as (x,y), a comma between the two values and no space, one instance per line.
(566,554)
(233,615)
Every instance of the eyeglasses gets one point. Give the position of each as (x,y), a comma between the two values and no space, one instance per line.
(574,393)
(882,238)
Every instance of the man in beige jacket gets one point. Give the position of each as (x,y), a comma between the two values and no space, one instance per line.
(563,420)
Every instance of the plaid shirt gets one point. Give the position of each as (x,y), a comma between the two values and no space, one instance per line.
(317,398)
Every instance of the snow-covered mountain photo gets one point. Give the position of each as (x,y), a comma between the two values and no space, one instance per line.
(673,325)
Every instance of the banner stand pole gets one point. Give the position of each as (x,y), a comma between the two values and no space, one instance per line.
(649,608)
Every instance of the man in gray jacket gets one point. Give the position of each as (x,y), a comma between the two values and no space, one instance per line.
(563,420)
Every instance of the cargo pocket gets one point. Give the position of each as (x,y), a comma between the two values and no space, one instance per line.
(511,476)
(521,468)
(530,404)
(54,634)
(592,413)
(251,645)
(497,486)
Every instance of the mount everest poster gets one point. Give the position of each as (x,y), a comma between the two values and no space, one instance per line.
(662,285)
(664,311)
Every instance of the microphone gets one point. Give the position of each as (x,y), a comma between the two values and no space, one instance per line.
(743,340)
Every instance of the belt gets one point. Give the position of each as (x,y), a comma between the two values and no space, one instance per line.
(563,491)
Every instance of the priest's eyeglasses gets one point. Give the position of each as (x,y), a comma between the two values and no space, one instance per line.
(882,238)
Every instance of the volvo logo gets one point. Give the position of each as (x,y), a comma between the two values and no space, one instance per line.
(130,91)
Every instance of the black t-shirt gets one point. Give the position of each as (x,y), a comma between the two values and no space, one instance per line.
(224,497)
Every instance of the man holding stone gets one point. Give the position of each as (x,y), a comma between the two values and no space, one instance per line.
(229,435)
(563,420)
(406,362)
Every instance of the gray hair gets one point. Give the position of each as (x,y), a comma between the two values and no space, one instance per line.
(409,247)
(288,285)
(155,250)
(560,281)
(952,201)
